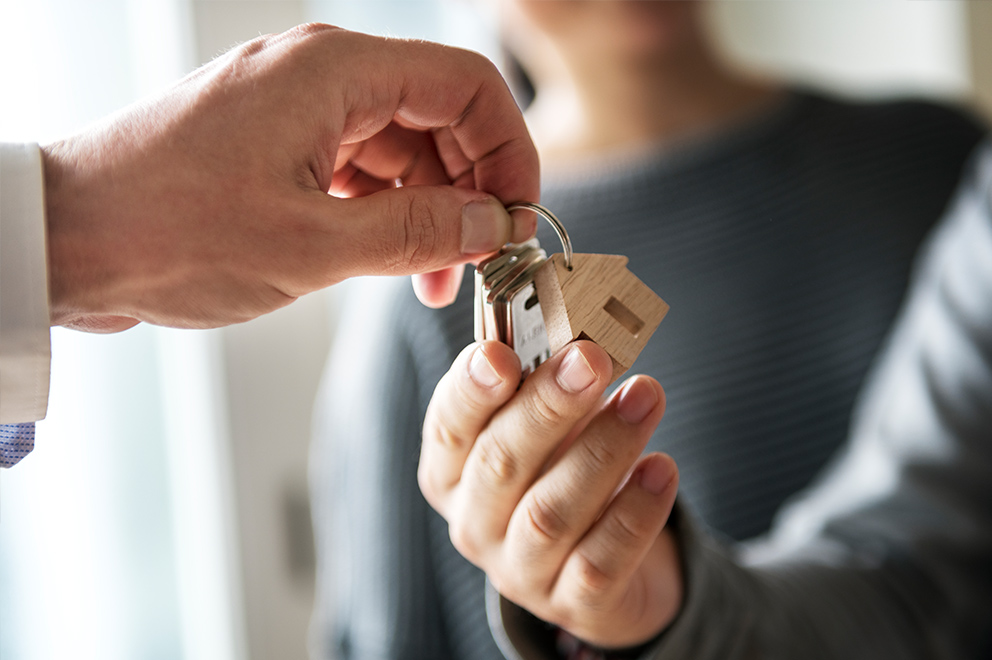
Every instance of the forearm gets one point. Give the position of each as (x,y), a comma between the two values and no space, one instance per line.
(887,555)
(824,601)
(828,601)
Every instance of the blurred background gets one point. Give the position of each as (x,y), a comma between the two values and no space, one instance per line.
(164,512)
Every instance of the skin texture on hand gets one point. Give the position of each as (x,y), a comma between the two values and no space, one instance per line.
(208,204)
(544,488)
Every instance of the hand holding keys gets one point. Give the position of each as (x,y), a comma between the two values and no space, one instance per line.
(537,305)
(543,482)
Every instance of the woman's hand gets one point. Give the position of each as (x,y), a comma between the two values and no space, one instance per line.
(545,489)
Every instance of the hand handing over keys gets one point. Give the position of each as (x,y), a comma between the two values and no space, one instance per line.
(545,490)
(209,205)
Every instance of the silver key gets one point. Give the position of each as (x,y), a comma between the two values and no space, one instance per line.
(506,304)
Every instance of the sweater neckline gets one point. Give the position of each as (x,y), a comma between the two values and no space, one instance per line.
(696,149)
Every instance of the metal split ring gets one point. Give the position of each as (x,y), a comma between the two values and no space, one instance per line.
(566,242)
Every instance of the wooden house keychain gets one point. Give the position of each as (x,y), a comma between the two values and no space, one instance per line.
(538,305)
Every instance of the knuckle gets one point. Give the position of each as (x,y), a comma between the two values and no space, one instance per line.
(251,48)
(225,76)
(463,540)
(506,587)
(450,441)
(293,45)
(540,411)
(305,30)
(625,532)
(547,525)
(227,71)
(484,67)
(425,481)
(420,235)
(498,466)
(598,455)
(509,582)
(592,584)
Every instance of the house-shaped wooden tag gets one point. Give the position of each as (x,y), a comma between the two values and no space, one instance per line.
(598,299)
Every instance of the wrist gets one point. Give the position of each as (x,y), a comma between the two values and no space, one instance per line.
(76,287)
(57,170)
(569,647)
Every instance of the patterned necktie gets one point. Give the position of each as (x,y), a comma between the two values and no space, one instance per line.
(16,442)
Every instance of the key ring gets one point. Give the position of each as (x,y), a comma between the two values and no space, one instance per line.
(566,242)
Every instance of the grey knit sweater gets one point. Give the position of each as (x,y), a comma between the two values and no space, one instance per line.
(783,245)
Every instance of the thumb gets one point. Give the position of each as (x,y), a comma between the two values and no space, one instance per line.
(418,229)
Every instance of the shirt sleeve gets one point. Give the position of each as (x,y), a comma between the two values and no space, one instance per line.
(25,344)
(887,555)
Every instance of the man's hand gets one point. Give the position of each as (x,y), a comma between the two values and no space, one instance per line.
(545,490)
(209,204)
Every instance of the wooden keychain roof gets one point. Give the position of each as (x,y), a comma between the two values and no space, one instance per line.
(595,297)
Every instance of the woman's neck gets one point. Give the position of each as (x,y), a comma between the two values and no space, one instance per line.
(603,105)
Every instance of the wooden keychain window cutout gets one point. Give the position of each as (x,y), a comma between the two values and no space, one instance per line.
(538,305)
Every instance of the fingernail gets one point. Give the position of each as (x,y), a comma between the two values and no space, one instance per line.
(485,227)
(482,371)
(636,401)
(655,477)
(574,372)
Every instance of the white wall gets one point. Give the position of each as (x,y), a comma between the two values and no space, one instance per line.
(980,45)
(271,365)
(95,549)
(865,47)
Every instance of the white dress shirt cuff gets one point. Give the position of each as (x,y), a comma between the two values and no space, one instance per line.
(25,340)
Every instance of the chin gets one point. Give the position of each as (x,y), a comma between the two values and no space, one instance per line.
(650,27)
(632,28)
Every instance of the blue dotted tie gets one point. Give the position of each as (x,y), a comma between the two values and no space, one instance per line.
(16,442)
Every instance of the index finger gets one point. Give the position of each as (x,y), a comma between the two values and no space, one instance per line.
(425,85)
(481,379)
(514,448)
